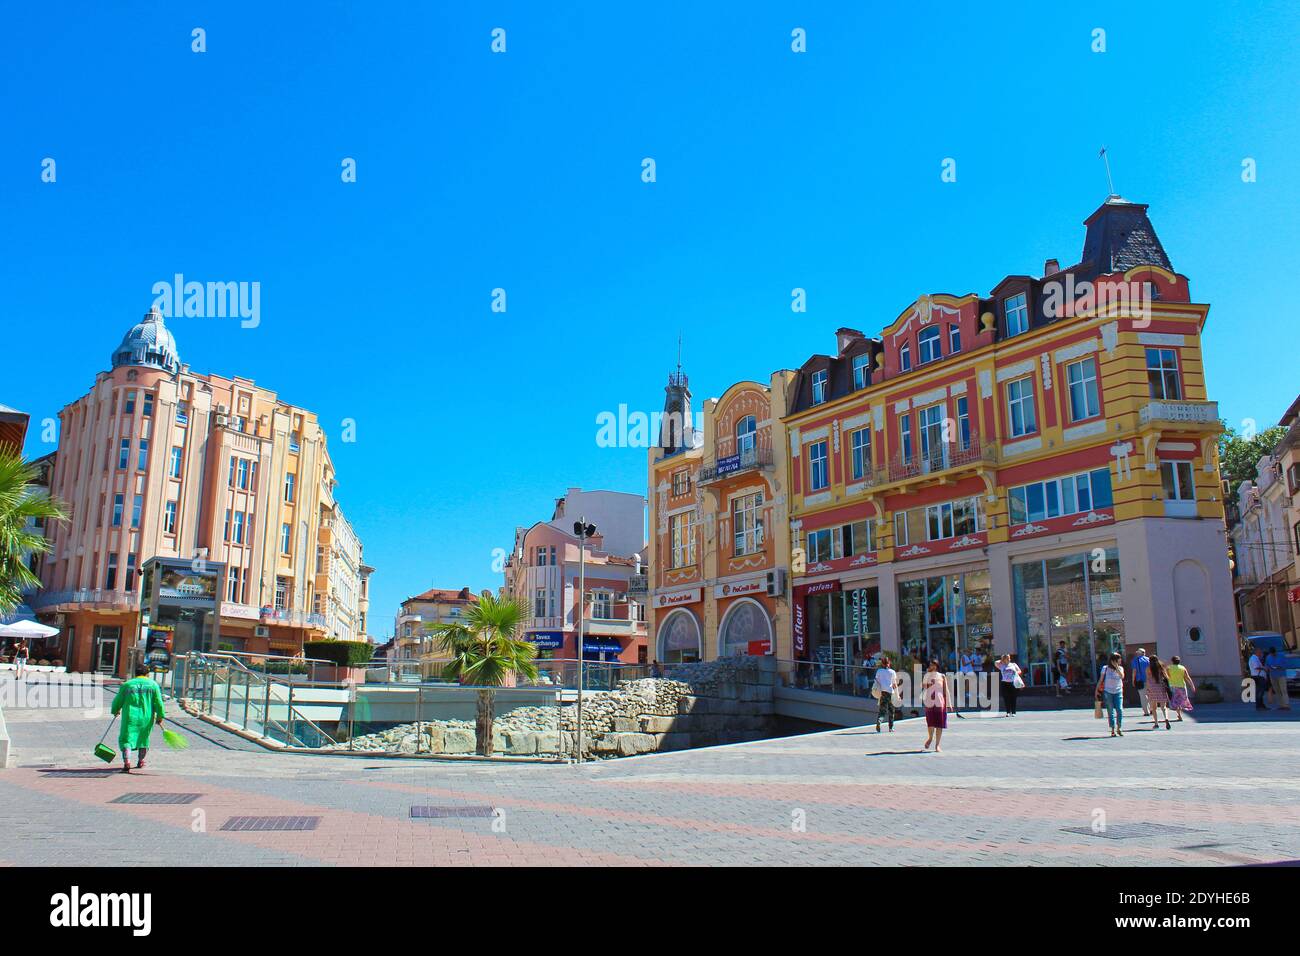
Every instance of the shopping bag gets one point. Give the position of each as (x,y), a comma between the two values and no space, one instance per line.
(1096,711)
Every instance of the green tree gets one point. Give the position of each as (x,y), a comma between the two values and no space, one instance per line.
(1239,455)
(20,503)
(485,653)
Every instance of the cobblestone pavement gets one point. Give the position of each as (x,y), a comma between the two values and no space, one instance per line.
(1034,789)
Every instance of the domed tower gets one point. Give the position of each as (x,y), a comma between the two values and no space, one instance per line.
(148,343)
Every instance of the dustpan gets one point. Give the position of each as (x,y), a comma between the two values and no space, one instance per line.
(102,750)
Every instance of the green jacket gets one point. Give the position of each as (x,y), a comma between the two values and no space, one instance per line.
(139,702)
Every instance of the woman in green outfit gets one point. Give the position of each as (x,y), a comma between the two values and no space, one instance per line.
(140,704)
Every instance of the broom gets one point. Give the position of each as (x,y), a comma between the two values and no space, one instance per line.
(174,740)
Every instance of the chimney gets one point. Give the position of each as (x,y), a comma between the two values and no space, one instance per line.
(1051,267)
(844,338)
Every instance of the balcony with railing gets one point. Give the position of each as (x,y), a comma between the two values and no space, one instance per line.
(938,458)
(93,597)
(752,459)
(1187,415)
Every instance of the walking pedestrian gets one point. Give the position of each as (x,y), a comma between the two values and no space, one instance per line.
(20,659)
(1062,670)
(1259,676)
(139,702)
(934,698)
(883,690)
(1110,688)
(1276,665)
(1158,692)
(1181,687)
(1010,684)
(1141,663)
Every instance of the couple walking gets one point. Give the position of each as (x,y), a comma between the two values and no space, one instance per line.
(934,698)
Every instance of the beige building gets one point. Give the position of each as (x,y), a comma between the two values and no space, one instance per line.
(412,641)
(156,460)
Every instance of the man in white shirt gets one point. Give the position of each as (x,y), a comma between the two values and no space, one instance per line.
(1259,674)
(883,689)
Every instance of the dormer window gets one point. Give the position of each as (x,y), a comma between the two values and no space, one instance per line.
(861,370)
(928,342)
(905,357)
(1017,313)
(954,338)
(819,386)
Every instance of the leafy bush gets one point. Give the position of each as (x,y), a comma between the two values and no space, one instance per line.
(340,653)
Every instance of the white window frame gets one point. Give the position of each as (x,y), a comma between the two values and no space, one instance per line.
(820,379)
(1077,375)
(860,444)
(819,455)
(929,343)
(861,370)
(1016,310)
(747,523)
(1022,398)
(1184,488)
(1165,372)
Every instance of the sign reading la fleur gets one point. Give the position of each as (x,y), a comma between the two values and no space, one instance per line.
(737,588)
(674,598)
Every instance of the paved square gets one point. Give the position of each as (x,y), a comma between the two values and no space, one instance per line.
(1041,788)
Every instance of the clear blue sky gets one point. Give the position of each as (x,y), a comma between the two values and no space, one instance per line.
(523,171)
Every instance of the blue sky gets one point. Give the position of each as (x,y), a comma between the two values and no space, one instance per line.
(522,171)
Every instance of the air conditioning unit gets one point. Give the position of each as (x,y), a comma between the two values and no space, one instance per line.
(776,582)
(262,631)
(222,420)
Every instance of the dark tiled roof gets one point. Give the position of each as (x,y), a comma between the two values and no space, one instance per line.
(1120,237)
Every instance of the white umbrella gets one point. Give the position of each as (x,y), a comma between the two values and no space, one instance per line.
(28,630)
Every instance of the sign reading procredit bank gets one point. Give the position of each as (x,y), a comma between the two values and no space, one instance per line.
(737,588)
(675,598)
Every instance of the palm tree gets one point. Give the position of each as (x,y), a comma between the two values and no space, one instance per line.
(486,654)
(20,504)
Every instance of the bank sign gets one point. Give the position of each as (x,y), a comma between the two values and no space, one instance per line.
(753,586)
(677,598)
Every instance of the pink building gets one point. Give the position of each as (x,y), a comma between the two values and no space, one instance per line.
(543,570)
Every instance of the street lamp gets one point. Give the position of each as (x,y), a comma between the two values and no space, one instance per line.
(583,531)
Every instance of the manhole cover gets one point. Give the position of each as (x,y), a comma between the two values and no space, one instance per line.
(426,813)
(156,798)
(1131,831)
(271,823)
(81,773)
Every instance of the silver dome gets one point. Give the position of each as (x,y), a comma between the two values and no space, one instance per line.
(149,343)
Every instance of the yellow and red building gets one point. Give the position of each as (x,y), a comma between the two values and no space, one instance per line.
(1002,473)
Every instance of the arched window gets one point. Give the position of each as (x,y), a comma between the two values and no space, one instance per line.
(745,628)
(746,434)
(928,341)
(679,638)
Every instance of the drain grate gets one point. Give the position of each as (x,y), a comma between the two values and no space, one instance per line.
(93,774)
(271,823)
(439,813)
(156,798)
(1132,831)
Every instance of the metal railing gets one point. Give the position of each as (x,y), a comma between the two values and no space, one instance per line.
(720,468)
(940,456)
(423,718)
(81,596)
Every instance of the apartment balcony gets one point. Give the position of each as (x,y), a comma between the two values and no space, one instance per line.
(82,599)
(755,459)
(1183,416)
(409,619)
(613,627)
(942,461)
(293,618)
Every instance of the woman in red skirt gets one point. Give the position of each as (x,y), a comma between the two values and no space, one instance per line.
(934,697)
